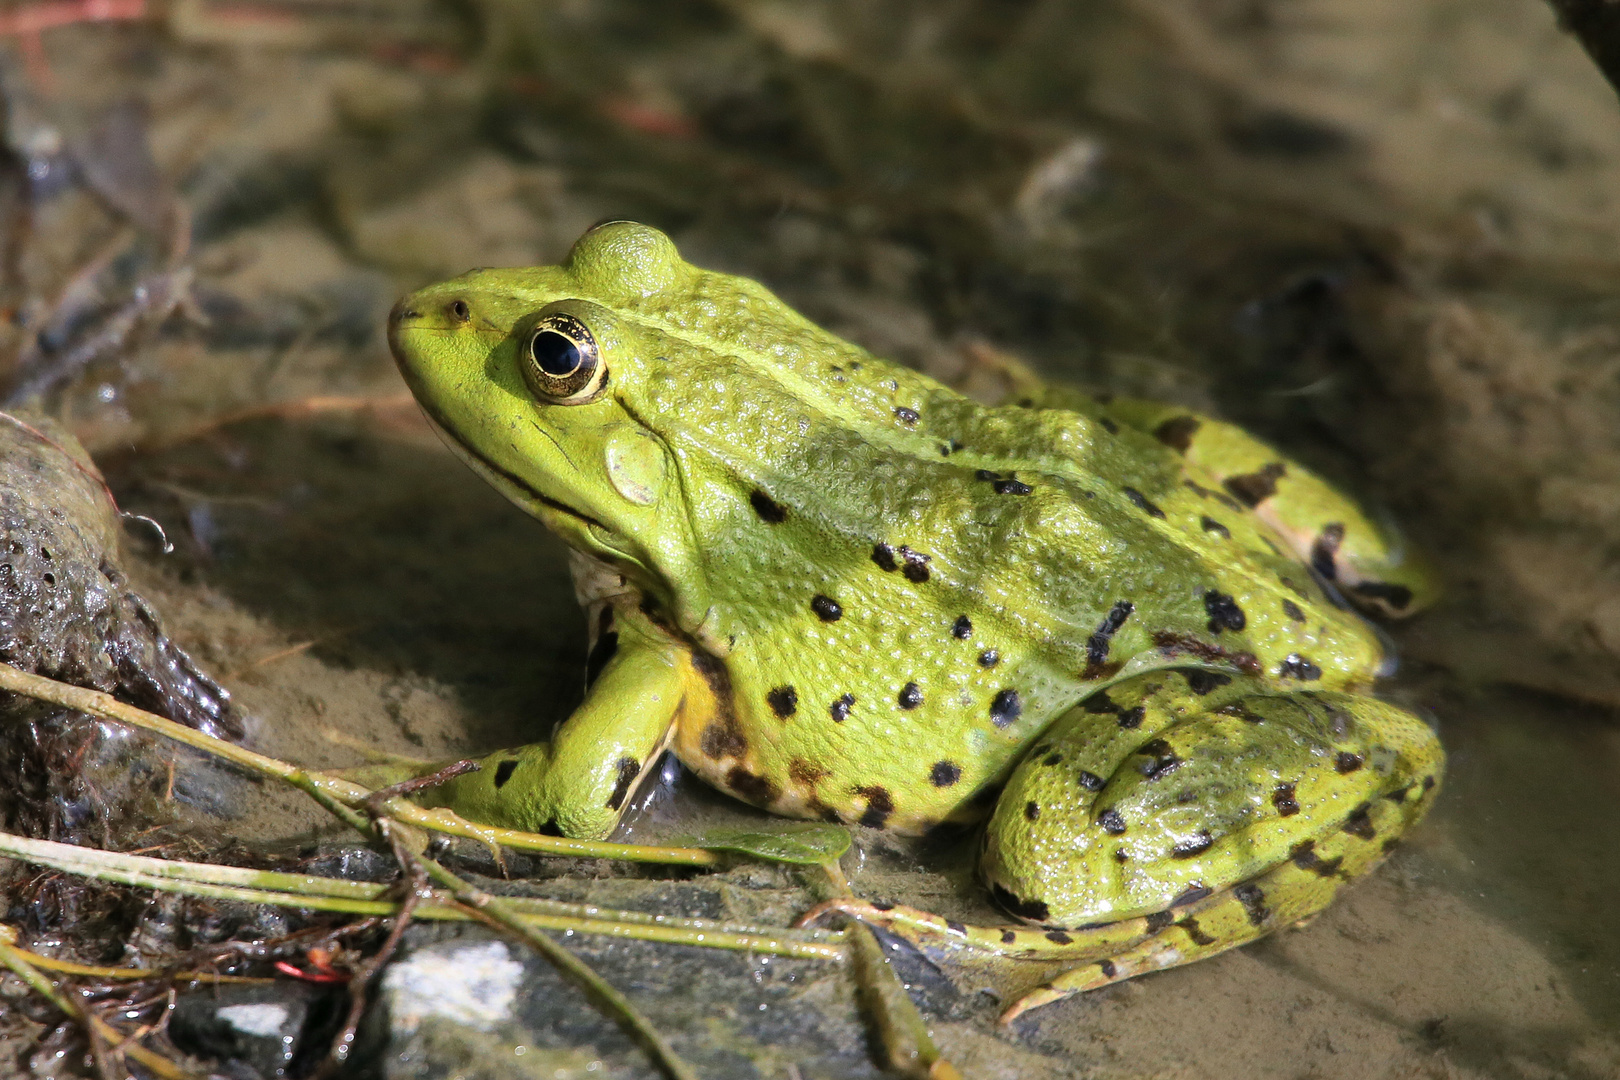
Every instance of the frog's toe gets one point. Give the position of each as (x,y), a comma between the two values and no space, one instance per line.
(929,931)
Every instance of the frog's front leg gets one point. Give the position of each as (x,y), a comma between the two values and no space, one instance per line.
(577,784)
(1169,819)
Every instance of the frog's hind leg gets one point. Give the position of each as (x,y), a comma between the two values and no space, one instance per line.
(1286,895)
(1221,813)
(1324,527)
(1181,814)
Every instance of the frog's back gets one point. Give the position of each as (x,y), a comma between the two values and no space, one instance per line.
(918,591)
(903,587)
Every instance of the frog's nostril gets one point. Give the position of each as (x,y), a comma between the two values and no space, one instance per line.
(401,313)
(460,310)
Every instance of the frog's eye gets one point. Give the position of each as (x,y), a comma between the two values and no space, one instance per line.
(561,363)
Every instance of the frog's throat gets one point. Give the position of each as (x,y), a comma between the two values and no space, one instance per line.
(573,522)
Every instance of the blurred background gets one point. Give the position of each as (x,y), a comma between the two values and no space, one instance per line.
(1384,235)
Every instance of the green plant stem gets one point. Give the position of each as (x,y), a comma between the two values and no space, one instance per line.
(901,1029)
(367,898)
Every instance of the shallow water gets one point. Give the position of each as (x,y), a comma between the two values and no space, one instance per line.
(1382,236)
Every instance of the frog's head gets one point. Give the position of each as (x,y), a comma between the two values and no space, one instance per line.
(626,398)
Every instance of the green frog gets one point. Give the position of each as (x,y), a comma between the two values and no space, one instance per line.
(838,589)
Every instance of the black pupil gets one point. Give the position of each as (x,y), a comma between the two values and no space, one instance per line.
(556,355)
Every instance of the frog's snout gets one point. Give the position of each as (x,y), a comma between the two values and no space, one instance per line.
(404,314)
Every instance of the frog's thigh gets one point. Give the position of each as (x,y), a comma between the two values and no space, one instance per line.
(577,784)
(1323,526)
(1206,795)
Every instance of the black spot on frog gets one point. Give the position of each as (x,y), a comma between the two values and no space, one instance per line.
(1097,645)
(914,565)
(1252,489)
(1163,759)
(784,701)
(1033,910)
(629,769)
(1005,707)
(1202,682)
(1003,485)
(1325,550)
(1282,797)
(826,608)
(1359,823)
(1143,503)
(1253,899)
(879,805)
(1295,666)
(759,790)
(769,510)
(1177,432)
(1224,613)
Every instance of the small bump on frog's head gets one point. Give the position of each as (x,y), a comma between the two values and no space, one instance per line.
(624,261)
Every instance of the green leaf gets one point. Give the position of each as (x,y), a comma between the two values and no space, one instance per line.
(802,845)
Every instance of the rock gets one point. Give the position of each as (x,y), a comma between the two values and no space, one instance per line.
(67,612)
(276,1030)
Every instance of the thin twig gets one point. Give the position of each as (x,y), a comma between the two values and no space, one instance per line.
(378,800)
(415,881)
(36,980)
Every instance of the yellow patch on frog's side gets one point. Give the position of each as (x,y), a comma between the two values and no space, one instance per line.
(710,738)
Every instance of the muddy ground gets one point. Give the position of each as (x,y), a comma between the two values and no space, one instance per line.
(1383,235)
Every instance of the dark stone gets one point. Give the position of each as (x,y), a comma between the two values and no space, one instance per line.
(271,1029)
